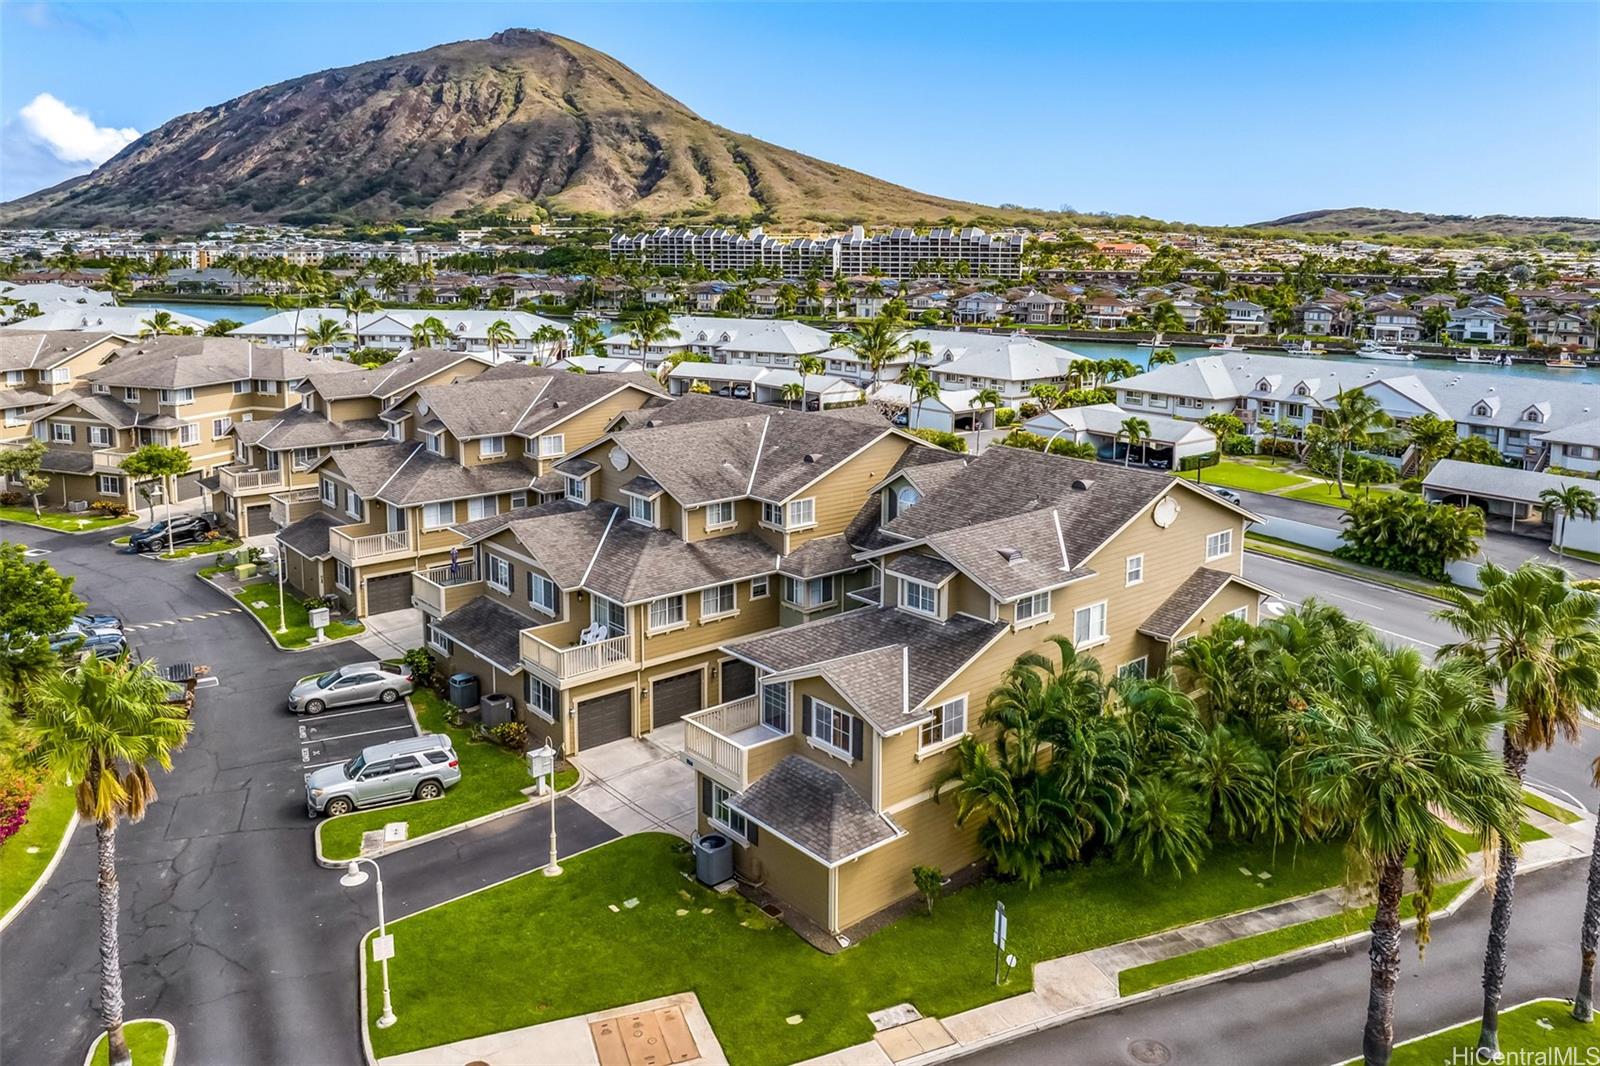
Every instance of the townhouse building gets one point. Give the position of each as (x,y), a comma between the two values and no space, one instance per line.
(735,341)
(36,367)
(456,452)
(1478,325)
(391,328)
(1245,317)
(979,307)
(127,321)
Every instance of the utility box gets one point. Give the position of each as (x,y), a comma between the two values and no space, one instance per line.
(713,859)
(464,691)
(496,709)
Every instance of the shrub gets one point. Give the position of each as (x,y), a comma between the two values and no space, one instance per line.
(1086,397)
(1029,409)
(16,796)
(1284,449)
(1021,438)
(513,735)
(929,880)
(1004,416)
(423,667)
(1238,444)
(1197,462)
(1403,532)
(110,508)
(1412,485)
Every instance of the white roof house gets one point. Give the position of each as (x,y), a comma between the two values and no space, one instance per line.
(1504,490)
(952,411)
(49,295)
(391,328)
(770,341)
(106,319)
(1101,423)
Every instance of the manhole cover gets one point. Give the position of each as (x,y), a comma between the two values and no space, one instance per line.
(1149,1052)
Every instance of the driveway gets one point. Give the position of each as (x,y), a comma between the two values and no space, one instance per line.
(639,786)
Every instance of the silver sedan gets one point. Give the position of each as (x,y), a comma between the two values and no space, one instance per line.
(370,682)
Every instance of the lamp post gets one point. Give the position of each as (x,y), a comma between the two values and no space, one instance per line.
(383,947)
(542,763)
(282,625)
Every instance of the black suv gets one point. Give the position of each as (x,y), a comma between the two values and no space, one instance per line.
(186,529)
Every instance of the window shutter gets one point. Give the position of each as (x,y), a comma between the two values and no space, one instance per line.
(751,833)
(705,796)
(72,434)
(805,716)
(858,737)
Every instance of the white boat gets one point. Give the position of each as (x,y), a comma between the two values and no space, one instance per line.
(1225,345)
(1474,356)
(1304,348)
(1374,350)
(1156,342)
(1566,362)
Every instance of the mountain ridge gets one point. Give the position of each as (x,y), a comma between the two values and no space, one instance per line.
(1359,221)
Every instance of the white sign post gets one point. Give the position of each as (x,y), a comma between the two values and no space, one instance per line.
(383,948)
(542,763)
(999,936)
(319,619)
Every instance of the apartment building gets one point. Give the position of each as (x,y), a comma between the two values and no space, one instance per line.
(270,483)
(604,613)
(185,392)
(391,329)
(824,775)
(899,253)
(36,367)
(456,453)
(735,341)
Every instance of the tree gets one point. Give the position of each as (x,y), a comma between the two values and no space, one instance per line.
(1435,320)
(651,326)
(160,323)
(699,388)
(222,327)
(22,463)
(586,337)
(36,602)
(159,462)
(1392,750)
(809,366)
(1566,502)
(327,333)
(929,881)
(1213,317)
(544,338)
(1137,430)
(430,332)
(1161,357)
(1433,438)
(1538,639)
(358,302)
(793,392)
(1400,531)
(497,333)
(876,342)
(986,399)
(1475,449)
(1354,420)
(101,726)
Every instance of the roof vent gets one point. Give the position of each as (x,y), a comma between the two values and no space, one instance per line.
(1011,555)
(651,424)
(1082,484)
(557,403)
(812,457)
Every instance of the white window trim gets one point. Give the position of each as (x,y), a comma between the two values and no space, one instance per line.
(733,516)
(577,489)
(653,521)
(715,590)
(1143,662)
(431,629)
(491,565)
(682,622)
(828,746)
(1093,641)
(539,581)
(1048,614)
(906,585)
(532,707)
(1227,534)
(100,485)
(339,568)
(426,527)
(552,445)
(722,824)
(227,424)
(130,394)
(483,448)
(789,522)
(925,750)
(434,443)
(766,588)
(1241,613)
(330,492)
(1128,580)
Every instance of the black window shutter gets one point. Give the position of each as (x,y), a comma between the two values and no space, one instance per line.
(705,796)
(805,716)
(858,737)
(751,833)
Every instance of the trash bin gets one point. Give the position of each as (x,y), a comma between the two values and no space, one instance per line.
(464,691)
(496,709)
(713,859)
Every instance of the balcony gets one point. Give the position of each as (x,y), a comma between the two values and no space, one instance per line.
(730,742)
(240,481)
(579,663)
(108,462)
(373,548)
(291,506)
(439,591)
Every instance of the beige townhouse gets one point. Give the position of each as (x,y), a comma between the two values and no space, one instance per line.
(270,481)
(456,452)
(38,366)
(825,774)
(179,391)
(605,614)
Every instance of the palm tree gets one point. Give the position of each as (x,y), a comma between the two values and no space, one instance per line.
(1214,317)
(985,399)
(1537,638)
(358,302)
(1352,422)
(1161,357)
(651,326)
(1568,501)
(809,366)
(160,323)
(1137,430)
(793,393)
(101,725)
(327,333)
(917,348)
(497,333)
(1392,749)
(876,343)
(429,332)
(1432,437)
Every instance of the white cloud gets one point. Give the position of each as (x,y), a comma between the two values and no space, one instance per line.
(69,134)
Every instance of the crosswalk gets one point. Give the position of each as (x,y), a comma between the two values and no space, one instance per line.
(179,621)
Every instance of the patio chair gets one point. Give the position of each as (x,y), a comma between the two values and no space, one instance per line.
(596,632)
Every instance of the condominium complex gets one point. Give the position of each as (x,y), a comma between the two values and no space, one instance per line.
(896,254)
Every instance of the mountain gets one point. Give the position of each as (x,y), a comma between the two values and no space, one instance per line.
(521,117)
(1371,221)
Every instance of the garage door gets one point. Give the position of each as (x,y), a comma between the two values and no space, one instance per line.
(600,721)
(189,486)
(673,697)
(738,680)
(389,593)
(258,520)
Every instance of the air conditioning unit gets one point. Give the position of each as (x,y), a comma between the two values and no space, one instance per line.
(78,506)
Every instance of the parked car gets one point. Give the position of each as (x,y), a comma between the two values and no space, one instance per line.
(418,768)
(186,529)
(97,621)
(354,683)
(1228,494)
(103,643)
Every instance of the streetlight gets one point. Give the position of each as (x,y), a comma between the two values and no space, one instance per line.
(542,763)
(282,625)
(383,947)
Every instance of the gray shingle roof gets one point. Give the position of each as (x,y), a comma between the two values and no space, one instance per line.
(488,629)
(919,567)
(814,808)
(404,473)
(1179,609)
(42,349)
(309,536)
(66,461)
(297,428)
(822,555)
(184,362)
(112,412)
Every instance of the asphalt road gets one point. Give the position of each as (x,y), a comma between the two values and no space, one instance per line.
(230,930)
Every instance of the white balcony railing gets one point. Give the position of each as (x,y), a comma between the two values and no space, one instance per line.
(442,589)
(581,661)
(369,548)
(237,482)
(108,462)
(719,740)
(289,507)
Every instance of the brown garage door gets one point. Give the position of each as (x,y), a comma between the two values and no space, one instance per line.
(258,520)
(673,697)
(600,721)
(738,680)
(389,593)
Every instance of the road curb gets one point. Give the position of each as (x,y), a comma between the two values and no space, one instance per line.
(44,875)
(272,637)
(1311,564)
(172,1040)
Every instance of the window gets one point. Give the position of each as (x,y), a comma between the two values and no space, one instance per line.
(1219,544)
(775,706)
(482,507)
(131,395)
(542,699)
(267,388)
(542,593)
(220,427)
(434,635)
(308,402)
(1035,608)
(61,433)
(610,614)
(489,447)
(111,485)
(177,396)
(772,515)
(330,493)
(519,499)
(949,723)
(577,489)
(189,433)
(342,577)
(642,510)
(438,515)
(352,504)
(1089,624)
(831,728)
(758,588)
(802,513)
(717,602)
(305,457)
(1133,399)
(719,515)
(915,596)
(60,375)
(1189,402)
(241,387)
(1241,613)
(808,594)
(99,436)
(229,507)
(435,442)
(1134,574)
(897,501)
(1138,669)
(14,379)
(666,613)
(497,572)
(726,817)
(552,444)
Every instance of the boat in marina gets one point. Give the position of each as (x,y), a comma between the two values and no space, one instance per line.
(1225,345)
(1383,353)
(1566,362)
(1475,356)
(1304,348)
(1156,342)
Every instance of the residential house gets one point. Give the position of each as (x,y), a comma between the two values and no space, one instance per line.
(1395,324)
(1561,327)
(1478,325)
(1168,441)
(1317,319)
(35,368)
(979,307)
(1246,318)
(391,329)
(1108,312)
(1039,309)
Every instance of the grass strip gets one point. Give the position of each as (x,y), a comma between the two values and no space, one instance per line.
(262,601)
(147,1040)
(492,779)
(1550,810)
(210,547)
(1235,475)
(65,523)
(1542,1031)
(26,853)
(1295,553)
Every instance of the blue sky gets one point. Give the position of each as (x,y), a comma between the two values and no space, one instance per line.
(1214,113)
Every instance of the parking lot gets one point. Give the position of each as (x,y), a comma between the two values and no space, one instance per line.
(336,736)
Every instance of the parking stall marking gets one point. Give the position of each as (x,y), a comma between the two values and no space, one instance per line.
(179,621)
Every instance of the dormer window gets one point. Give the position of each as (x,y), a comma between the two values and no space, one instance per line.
(492,447)
(577,490)
(1533,414)
(308,402)
(434,442)
(1263,385)
(797,514)
(919,598)
(1482,410)
(719,515)
(1302,389)
(896,501)
(642,510)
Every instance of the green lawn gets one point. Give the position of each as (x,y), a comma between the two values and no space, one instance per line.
(492,778)
(1246,476)
(60,520)
(1218,957)
(1551,810)
(147,1041)
(1327,493)
(1579,553)
(299,632)
(752,973)
(1542,1031)
(210,547)
(48,816)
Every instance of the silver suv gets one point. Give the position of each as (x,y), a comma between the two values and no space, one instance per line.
(355,683)
(418,768)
